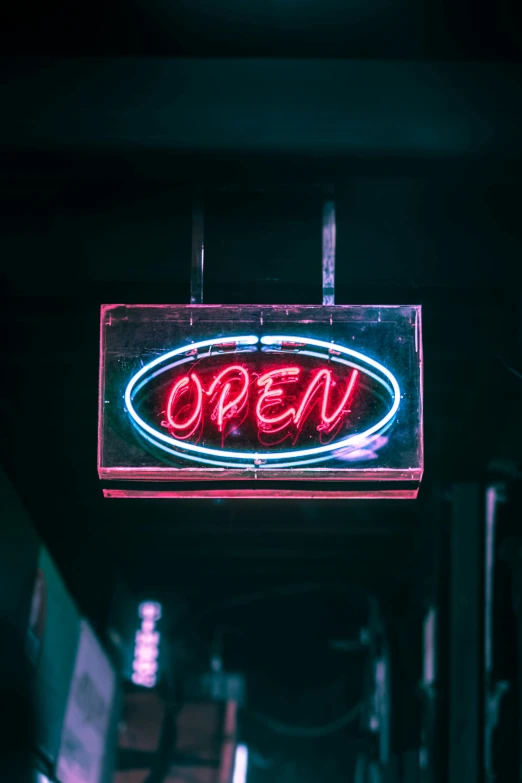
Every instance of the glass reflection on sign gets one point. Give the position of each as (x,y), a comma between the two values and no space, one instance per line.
(264,393)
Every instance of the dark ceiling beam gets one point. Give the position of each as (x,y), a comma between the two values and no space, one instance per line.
(262,528)
(193,579)
(242,559)
(348,108)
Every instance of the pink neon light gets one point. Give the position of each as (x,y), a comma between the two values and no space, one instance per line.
(149,653)
(150,610)
(238,402)
(142,666)
(146,649)
(144,638)
(272,396)
(142,679)
(267,494)
(178,387)
(314,385)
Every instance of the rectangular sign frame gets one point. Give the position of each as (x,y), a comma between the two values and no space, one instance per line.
(255,375)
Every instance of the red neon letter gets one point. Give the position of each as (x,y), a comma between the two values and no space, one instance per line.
(271,400)
(236,404)
(272,396)
(178,390)
(326,376)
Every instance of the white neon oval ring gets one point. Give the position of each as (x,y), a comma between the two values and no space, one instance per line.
(251,455)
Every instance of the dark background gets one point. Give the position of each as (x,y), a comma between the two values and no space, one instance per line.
(408,116)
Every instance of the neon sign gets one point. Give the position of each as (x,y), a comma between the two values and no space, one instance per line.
(189,393)
(230,406)
(146,648)
(316,413)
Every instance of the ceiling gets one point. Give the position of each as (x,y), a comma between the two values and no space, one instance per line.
(433,29)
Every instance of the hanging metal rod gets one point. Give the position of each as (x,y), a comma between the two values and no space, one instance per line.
(198,253)
(329,253)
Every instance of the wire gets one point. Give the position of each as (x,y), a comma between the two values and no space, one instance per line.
(310,732)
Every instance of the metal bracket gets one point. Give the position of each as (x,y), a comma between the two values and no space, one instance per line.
(329,253)
(198,253)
